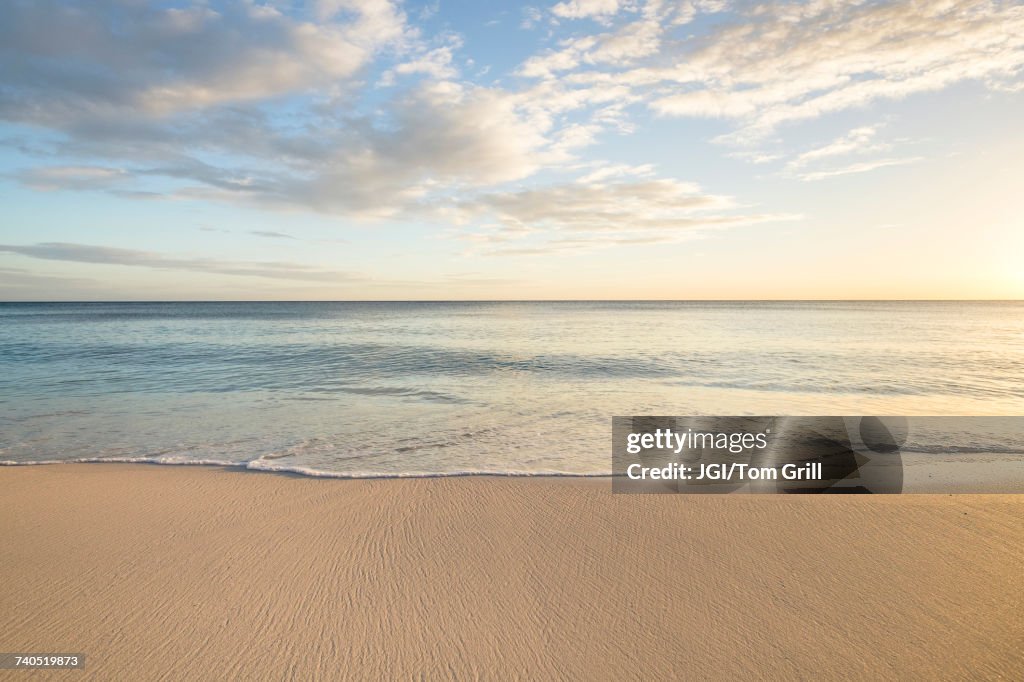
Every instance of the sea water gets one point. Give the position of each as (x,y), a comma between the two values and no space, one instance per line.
(423,388)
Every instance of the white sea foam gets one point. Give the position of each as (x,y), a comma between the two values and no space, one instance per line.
(268,467)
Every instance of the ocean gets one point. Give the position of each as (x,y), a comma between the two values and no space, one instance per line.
(423,388)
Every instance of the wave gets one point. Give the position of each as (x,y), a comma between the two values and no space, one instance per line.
(260,465)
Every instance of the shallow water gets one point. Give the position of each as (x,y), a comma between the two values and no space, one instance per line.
(415,388)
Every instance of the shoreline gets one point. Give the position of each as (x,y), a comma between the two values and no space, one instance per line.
(202,572)
(924,473)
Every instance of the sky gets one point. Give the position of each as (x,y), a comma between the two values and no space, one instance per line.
(584,149)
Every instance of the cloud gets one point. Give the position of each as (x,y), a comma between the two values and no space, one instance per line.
(54,178)
(531,17)
(620,206)
(68,62)
(623,46)
(599,213)
(374,21)
(21,284)
(607,171)
(270,234)
(435,63)
(756,157)
(17,280)
(552,62)
(439,136)
(857,141)
(794,61)
(862,167)
(436,137)
(243,103)
(769,64)
(277,106)
(635,40)
(581,9)
(106,255)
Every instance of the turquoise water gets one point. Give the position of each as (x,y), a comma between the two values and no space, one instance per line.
(426,388)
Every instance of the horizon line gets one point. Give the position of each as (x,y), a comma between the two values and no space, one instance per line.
(536,300)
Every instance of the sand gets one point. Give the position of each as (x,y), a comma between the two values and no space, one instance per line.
(204,573)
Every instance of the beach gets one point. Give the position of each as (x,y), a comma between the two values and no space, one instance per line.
(163,572)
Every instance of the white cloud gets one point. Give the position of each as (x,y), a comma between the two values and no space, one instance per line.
(862,167)
(581,9)
(789,62)
(615,207)
(438,138)
(756,157)
(857,141)
(531,17)
(608,171)
(860,141)
(772,64)
(435,63)
(634,40)
(620,47)
(554,61)
(376,21)
(593,212)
